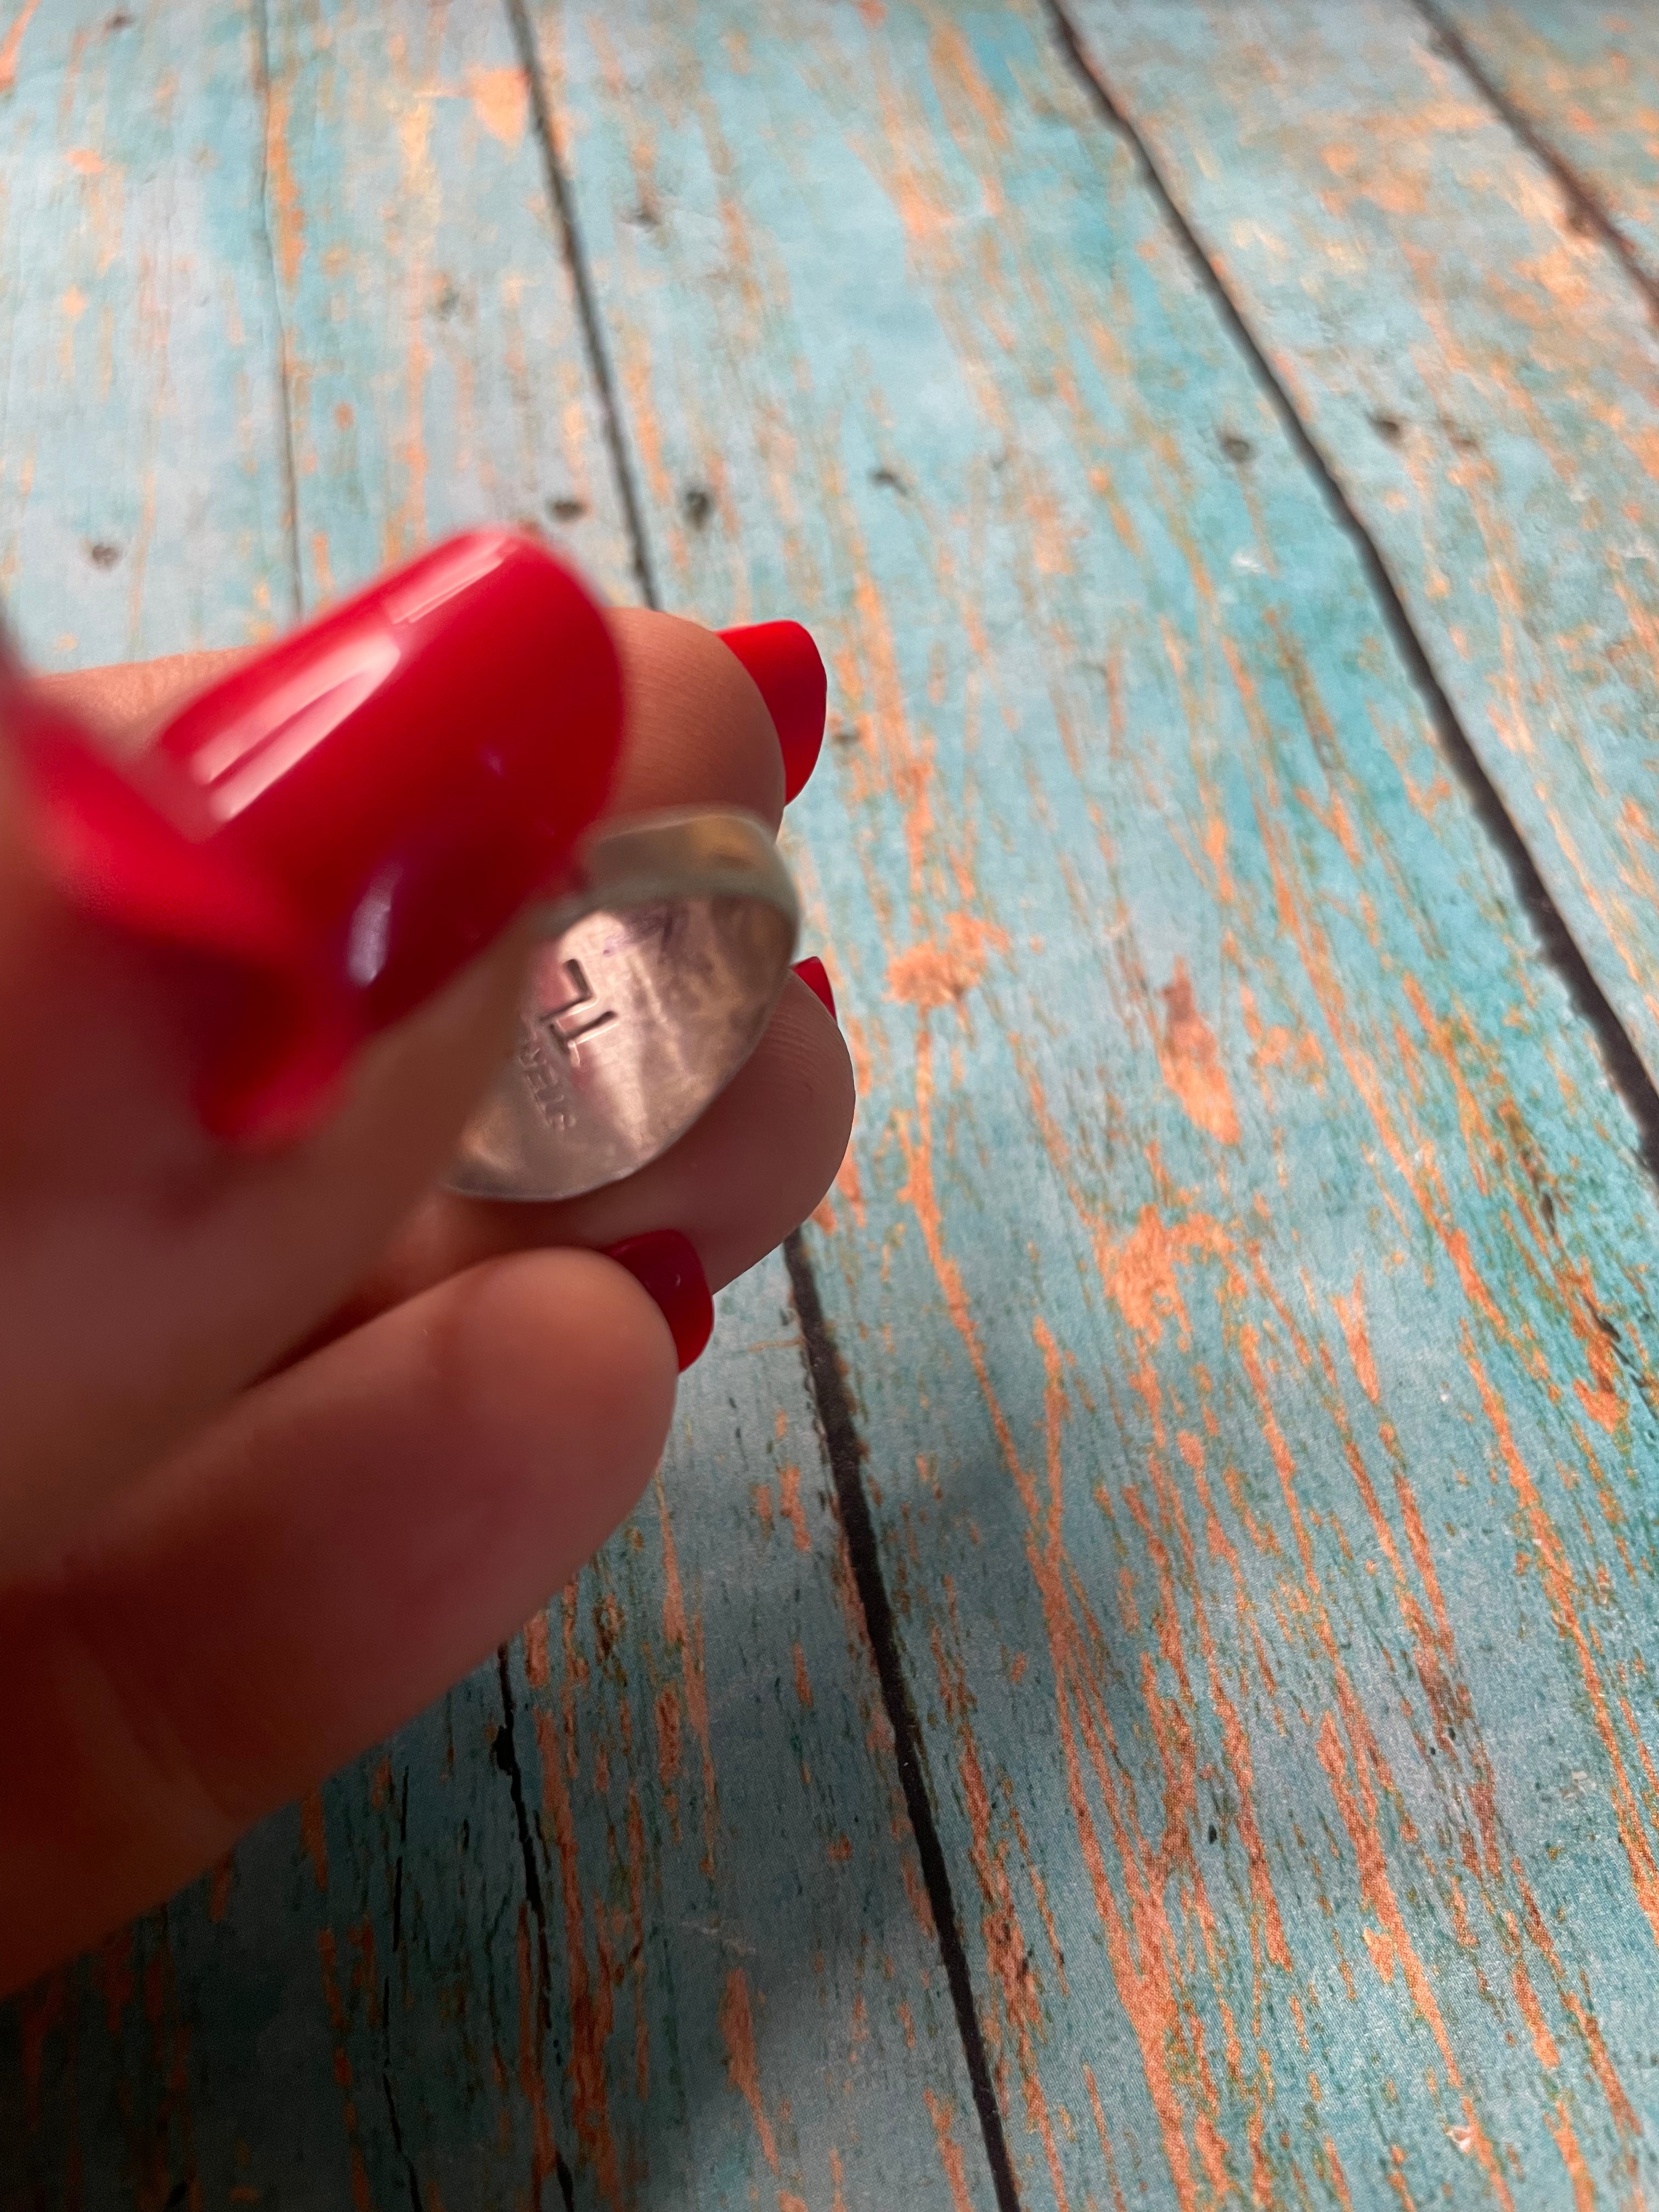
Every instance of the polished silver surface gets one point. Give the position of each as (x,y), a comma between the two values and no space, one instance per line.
(652,983)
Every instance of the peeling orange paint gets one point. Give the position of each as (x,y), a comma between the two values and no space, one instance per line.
(1359,1818)
(500,100)
(288,215)
(13,44)
(940,973)
(1556,1576)
(951,2159)
(1191,1064)
(687,1639)
(1351,1313)
(743,2068)
(790,1506)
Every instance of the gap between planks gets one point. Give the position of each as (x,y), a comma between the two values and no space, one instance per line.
(562,202)
(1586,209)
(1557,944)
(843,1446)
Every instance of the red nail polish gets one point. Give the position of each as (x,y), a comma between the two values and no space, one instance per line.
(354,815)
(816,977)
(789,675)
(666,1264)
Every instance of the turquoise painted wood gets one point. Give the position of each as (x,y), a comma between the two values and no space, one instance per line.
(436,370)
(662,1940)
(132,257)
(1244,1267)
(723,1975)
(1586,78)
(1477,372)
(1241,1269)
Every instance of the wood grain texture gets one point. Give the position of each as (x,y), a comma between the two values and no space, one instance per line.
(1242,1266)
(664,1940)
(437,370)
(142,507)
(1586,78)
(1478,372)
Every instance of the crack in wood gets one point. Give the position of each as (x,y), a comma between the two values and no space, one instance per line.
(845,1451)
(575,261)
(1558,946)
(1586,209)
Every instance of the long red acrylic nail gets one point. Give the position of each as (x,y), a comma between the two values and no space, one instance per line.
(816,977)
(353,816)
(788,674)
(665,1263)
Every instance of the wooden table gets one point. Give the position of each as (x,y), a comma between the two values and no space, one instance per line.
(1133,1686)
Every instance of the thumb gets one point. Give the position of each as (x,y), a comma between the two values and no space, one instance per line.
(275,927)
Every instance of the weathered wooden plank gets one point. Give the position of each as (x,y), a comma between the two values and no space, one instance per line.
(437,374)
(723,1982)
(1479,373)
(142,505)
(1243,1268)
(664,1940)
(1586,78)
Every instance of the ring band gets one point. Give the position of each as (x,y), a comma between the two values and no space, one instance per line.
(653,982)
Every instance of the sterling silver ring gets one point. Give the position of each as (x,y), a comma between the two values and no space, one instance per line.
(653,982)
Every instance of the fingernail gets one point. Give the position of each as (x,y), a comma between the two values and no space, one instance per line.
(355,814)
(789,674)
(816,977)
(665,1265)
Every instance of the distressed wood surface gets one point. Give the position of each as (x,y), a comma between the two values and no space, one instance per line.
(143,504)
(638,1920)
(1244,1263)
(1242,1271)
(660,1939)
(1585,78)
(1477,371)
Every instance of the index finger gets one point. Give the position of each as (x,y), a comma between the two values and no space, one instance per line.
(699,723)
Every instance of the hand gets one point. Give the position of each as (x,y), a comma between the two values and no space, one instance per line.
(290,1439)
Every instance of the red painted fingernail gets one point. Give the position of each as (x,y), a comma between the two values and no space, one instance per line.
(354,815)
(789,675)
(816,977)
(666,1264)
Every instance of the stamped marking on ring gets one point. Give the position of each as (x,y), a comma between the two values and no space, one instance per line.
(655,977)
(565,1027)
(545,1081)
(553,1019)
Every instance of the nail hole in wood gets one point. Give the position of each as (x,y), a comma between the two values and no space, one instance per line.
(1236,448)
(103,554)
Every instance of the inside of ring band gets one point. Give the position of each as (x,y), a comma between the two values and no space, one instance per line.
(634,1021)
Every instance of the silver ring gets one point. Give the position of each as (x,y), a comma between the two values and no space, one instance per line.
(653,982)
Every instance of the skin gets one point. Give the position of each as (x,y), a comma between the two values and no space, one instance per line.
(294,1439)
